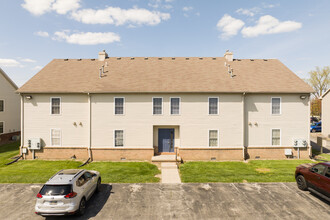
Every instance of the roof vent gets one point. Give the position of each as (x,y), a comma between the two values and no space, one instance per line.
(252,59)
(187,58)
(79,59)
(132,58)
(146,58)
(118,58)
(102,55)
(229,56)
(173,58)
(265,60)
(160,58)
(238,59)
(66,59)
(92,59)
(213,58)
(201,58)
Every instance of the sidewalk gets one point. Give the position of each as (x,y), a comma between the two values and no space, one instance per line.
(170,173)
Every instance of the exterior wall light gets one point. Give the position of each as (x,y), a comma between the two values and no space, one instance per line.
(28,97)
(303,96)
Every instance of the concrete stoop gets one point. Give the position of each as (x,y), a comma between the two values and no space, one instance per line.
(165,158)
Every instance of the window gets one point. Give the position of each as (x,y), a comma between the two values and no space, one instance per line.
(119,138)
(276,137)
(175,106)
(213,138)
(1,127)
(56,106)
(276,106)
(119,106)
(319,169)
(157,106)
(55,137)
(213,106)
(2,105)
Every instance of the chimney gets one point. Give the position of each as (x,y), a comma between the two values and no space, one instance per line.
(102,55)
(229,56)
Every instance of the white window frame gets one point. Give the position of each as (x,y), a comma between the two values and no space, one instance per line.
(208,105)
(51,105)
(271,137)
(208,137)
(271,105)
(114,137)
(153,105)
(51,139)
(179,105)
(3,127)
(3,105)
(114,105)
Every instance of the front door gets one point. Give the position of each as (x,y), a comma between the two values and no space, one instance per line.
(165,140)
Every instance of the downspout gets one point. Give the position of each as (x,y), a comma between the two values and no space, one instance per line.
(243,124)
(22,125)
(89,127)
(308,128)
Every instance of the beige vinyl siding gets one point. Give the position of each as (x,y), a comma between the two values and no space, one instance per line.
(38,120)
(191,126)
(293,120)
(11,112)
(326,115)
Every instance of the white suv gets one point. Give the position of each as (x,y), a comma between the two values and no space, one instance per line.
(66,192)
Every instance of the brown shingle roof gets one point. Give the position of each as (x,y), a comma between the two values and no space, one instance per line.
(180,74)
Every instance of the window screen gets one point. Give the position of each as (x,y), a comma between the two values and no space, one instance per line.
(175,106)
(276,106)
(1,127)
(119,138)
(213,106)
(56,137)
(56,103)
(2,105)
(157,106)
(213,138)
(276,137)
(119,106)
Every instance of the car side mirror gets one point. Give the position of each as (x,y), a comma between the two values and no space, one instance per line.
(94,174)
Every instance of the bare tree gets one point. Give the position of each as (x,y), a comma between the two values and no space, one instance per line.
(319,79)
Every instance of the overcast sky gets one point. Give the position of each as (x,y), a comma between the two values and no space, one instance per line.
(33,32)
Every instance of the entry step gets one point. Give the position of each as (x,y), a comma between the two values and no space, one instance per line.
(165,158)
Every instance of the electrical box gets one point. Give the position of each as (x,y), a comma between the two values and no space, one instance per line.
(299,143)
(34,143)
(24,150)
(288,152)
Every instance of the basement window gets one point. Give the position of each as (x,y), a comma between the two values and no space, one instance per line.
(119,138)
(213,138)
(2,105)
(119,106)
(55,137)
(1,127)
(55,106)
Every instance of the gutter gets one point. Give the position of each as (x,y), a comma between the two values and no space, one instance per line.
(243,125)
(22,125)
(89,127)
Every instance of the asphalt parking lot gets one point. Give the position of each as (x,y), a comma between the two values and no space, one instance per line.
(180,201)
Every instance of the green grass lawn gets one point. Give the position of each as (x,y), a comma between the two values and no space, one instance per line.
(39,171)
(253,171)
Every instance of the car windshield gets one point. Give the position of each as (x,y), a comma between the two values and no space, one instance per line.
(53,190)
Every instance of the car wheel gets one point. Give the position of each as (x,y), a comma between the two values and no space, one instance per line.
(301,182)
(313,130)
(82,207)
(98,187)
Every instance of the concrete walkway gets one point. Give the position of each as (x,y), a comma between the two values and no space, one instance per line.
(170,173)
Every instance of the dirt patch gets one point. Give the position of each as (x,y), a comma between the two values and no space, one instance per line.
(263,170)
(245,181)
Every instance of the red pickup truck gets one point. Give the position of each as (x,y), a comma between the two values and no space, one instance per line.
(314,177)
